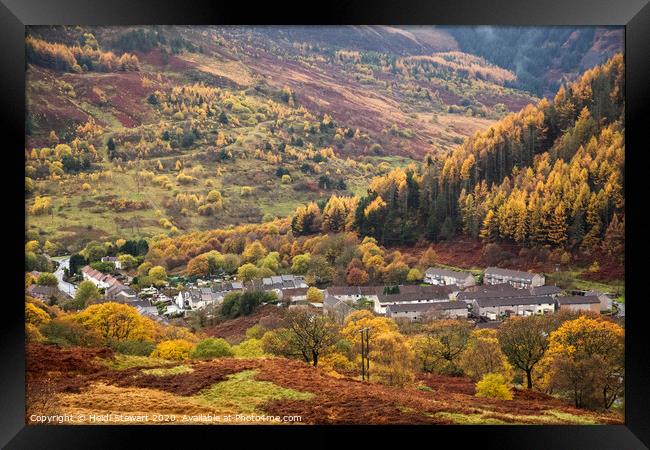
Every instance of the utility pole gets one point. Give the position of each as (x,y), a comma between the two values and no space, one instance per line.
(363,362)
(368,353)
(365,351)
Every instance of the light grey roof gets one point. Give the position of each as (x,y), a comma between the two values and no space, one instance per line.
(410,307)
(431,290)
(450,305)
(513,301)
(514,293)
(414,297)
(546,290)
(578,300)
(237,285)
(510,273)
(447,273)
(421,307)
(331,301)
(343,290)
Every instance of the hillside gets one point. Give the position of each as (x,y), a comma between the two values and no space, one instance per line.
(544,57)
(80,382)
(226,208)
(151,120)
(124,134)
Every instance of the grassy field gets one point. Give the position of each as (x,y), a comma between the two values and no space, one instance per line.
(276,387)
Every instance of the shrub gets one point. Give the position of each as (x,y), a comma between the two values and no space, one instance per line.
(47,279)
(414,275)
(212,348)
(237,304)
(135,347)
(32,334)
(176,349)
(35,315)
(255,332)
(250,348)
(67,333)
(493,385)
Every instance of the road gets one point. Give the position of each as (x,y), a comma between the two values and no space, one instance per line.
(621,309)
(64,286)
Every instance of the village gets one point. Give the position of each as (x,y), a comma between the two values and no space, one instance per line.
(486,299)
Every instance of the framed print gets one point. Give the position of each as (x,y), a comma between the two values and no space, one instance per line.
(375,219)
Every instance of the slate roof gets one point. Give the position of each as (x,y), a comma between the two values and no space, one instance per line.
(513,301)
(45,291)
(283,282)
(409,307)
(447,273)
(499,287)
(546,290)
(344,290)
(515,293)
(415,297)
(114,285)
(429,289)
(294,292)
(450,305)
(510,273)
(578,300)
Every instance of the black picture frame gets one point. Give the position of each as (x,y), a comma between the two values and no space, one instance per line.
(633,14)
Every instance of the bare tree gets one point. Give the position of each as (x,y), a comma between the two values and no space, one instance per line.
(312,334)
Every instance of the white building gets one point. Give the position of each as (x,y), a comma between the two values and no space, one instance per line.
(494,308)
(516,278)
(446,277)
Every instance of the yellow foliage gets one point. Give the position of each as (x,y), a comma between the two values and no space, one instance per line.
(176,349)
(116,321)
(35,315)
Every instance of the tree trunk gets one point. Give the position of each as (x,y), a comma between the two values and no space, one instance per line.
(315,358)
(529,378)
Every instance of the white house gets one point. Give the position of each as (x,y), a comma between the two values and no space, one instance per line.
(354,293)
(493,308)
(517,278)
(444,277)
(415,311)
(114,260)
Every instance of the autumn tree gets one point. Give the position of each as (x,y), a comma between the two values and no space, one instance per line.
(483,356)
(116,321)
(614,241)
(300,264)
(443,345)
(35,315)
(247,272)
(392,360)
(315,295)
(306,336)
(254,252)
(47,279)
(428,259)
(87,293)
(524,341)
(357,277)
(586,361)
